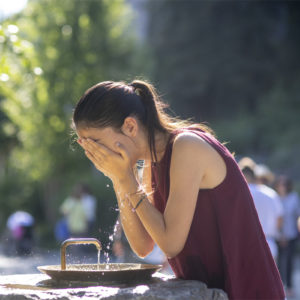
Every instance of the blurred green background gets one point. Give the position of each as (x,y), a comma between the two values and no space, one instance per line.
(232,64)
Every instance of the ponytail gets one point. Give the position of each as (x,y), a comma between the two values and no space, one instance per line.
(154,111)
(156,117)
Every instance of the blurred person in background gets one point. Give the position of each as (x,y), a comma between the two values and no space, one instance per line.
(90,207)
(157,257)
(20,235)
(289,233)
(267,203)
(74,211)
(264,175)
(61,230)
(194,203)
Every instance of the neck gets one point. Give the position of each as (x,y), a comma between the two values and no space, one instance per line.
(161,140)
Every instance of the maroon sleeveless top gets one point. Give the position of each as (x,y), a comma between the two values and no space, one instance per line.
(226,247)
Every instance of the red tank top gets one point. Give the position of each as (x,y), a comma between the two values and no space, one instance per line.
(226,247)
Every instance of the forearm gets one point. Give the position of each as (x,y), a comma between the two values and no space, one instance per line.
(136,234)
(152,220)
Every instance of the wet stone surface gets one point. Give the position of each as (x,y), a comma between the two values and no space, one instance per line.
(39,286)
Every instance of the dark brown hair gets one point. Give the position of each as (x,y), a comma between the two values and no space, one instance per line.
(109,103)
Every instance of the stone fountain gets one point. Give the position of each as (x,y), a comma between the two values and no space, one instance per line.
(103,281)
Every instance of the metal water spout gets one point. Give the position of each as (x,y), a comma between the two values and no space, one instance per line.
(73,241)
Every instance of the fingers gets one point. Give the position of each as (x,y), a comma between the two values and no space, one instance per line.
(93,147)
(96,151)
(91,157)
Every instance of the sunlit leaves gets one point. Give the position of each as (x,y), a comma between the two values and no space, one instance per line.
(49,54)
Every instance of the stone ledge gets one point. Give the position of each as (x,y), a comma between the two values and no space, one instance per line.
(161,287)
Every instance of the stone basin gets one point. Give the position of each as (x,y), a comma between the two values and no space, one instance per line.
(111,272)
(103,281)
(158,287)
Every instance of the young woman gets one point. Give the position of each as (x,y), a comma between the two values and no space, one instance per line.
(193,202)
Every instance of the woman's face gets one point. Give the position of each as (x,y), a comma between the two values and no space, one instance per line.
(109,137)
(106,136)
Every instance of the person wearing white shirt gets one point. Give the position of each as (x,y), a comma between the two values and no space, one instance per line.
(267,204)
(90,207)
(270,213)
(289,234)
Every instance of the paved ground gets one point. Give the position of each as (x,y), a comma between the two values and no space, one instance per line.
(28,265)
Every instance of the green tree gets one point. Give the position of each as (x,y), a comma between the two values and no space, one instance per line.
(53,51)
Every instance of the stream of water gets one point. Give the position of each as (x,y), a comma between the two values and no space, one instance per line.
(99,259)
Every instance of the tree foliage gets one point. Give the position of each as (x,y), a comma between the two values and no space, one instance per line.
(50,54)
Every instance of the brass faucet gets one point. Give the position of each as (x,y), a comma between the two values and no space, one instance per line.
(73,241)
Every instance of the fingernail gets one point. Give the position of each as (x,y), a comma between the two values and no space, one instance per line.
(79,141)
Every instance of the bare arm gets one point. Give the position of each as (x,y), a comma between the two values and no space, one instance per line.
(191,160)
(139,239)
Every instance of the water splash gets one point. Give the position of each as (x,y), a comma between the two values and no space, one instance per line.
(107,258)
(109,245)
(99,259)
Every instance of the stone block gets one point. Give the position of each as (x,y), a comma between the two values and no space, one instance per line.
(160,287)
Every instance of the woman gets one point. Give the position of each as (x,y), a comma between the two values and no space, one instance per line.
(193,203)
(289,232)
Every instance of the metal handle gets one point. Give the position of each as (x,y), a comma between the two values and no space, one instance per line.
(73,241)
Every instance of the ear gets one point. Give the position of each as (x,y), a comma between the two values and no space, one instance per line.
(130,127)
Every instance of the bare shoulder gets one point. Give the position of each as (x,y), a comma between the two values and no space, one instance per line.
(192,151)
(188,142)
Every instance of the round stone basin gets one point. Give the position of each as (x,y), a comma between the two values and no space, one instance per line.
(121,273)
